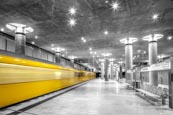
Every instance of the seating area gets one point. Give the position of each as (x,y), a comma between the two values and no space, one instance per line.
(156,94)
(155,90)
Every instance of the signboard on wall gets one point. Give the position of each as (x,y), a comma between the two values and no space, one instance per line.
(157,67)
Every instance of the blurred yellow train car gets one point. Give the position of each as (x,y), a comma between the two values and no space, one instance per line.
(23,79)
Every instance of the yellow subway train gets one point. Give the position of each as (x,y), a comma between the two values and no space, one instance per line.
(23,79)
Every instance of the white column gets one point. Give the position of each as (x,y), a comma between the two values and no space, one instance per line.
(57,57)
(20,36)
(102,69)
(153,75)
(129,58)
(111,69)
(129,62)
(152,52)
(106,64)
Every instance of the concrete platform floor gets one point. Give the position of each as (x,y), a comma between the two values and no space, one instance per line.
(97,98)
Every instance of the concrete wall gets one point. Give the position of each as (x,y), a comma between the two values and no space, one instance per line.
(2,43)
(144,76)
(10,46)
(163,77)
(28,51)
(7,44)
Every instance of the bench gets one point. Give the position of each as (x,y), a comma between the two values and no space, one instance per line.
(150,97)
(148,93)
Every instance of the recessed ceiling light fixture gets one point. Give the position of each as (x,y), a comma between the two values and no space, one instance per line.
(144,52)
(90,49)
(155,17)
(52,45)
(72,11)
(33,42)
(2,29)
(72,22)
(82,38)
(106,32)
(115,5)
(139,51)
(106,1)
(169,37)
(36,37)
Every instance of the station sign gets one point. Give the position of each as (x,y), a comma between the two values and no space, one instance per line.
(157,67)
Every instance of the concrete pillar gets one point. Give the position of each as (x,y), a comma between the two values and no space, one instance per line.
(73,65)
(102,69)
(120,72)
(129,62)
(171,85)
(106,64)
(20,43)
(152,50)
(129,58)
(57,57)
(20,36)
(111,69)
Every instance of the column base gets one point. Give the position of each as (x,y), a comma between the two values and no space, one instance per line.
(129,78)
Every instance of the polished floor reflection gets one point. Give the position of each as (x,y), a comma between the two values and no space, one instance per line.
(97,98)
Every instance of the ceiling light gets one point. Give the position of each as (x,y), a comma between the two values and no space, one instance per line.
(82,38)
(115,5)
(58,49)
(106,32)
(128,40)
(169,37)
(106,1)
(111,59)
(106,54)
(33,42)
(155,16)
(52,45)
(2,29)
(36,37)
(72,57)
(72,11)
(161,56)
(72,22)
(90,49)
(139,51)
(154,37)
(19,27)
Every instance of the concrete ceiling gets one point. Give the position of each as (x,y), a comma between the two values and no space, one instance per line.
(49,18)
